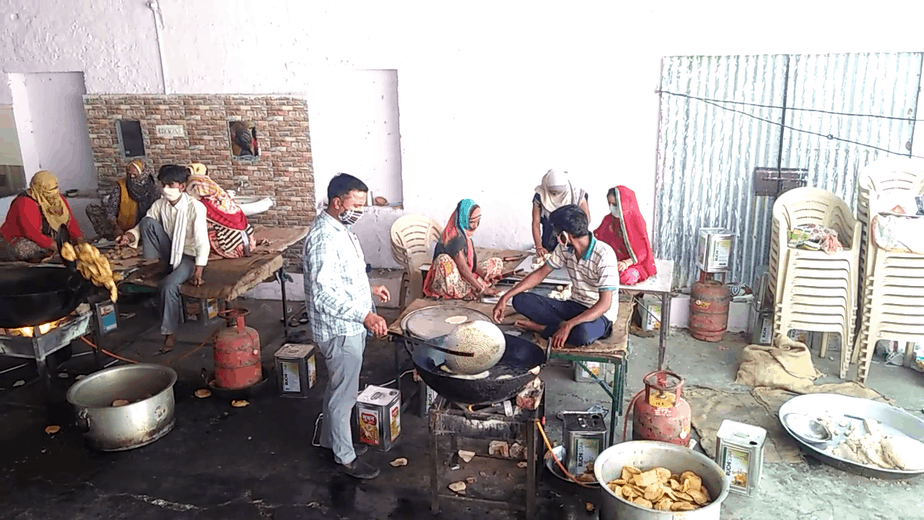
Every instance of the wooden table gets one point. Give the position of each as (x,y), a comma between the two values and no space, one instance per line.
(660,284)
(227,279)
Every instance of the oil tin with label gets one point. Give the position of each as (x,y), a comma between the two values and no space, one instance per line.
(296,369)
(714,251)
(600,370)
(650,311)
(585,439)
(378,414)
(739,452)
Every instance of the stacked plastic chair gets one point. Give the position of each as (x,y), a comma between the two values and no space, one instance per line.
(411,239)
(813,290)
(892,290)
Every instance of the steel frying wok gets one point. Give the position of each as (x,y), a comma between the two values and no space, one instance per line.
(501,382)
(34,294)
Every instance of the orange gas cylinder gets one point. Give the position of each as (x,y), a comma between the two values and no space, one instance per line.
(237,352)
(660,413)
(709,301)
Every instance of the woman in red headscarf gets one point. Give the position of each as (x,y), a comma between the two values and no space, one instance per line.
(625,231)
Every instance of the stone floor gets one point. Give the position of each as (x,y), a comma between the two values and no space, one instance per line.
(257,462)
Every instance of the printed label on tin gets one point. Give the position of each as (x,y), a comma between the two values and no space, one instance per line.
(736,465)
(395,413)
(312,372)
(721,252)
(369,426)
(586,450)
(290,380)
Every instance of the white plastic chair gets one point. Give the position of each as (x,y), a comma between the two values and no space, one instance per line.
(411,238)
(813,290)
(876,179)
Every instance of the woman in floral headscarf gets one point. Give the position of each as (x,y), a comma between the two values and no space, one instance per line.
(625,231)
(455,272)
(554,192)
(34,218)
(229,233)
(125,203)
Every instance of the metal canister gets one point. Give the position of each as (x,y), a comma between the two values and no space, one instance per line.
(296,369)
(585,439)
(237,353)
(662,414)
(378,412)
(709,301)
(739,451)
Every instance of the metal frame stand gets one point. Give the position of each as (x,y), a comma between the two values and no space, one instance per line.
(616,391)
(446,419)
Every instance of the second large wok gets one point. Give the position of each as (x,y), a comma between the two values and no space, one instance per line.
(503,381)
(32,295)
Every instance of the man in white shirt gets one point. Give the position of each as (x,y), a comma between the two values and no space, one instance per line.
(174,230)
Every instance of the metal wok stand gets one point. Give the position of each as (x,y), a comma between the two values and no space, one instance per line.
(448,419)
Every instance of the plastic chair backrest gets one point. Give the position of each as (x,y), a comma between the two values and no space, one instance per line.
(411,238)
(890,174)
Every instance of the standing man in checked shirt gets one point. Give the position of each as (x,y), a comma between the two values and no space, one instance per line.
(339,302)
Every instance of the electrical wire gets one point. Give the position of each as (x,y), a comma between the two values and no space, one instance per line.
(830,137)
(796,109)
(104,351)
(548,445)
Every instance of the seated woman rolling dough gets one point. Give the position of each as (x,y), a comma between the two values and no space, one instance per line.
(455,272)
(625,231)
(33,220)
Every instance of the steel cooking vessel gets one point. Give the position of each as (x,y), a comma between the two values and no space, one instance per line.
(148,416)
(645,455)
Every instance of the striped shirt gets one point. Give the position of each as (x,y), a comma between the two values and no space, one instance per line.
(337,292)
(593,273)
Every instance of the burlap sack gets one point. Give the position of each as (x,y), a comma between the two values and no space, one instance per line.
(787,364)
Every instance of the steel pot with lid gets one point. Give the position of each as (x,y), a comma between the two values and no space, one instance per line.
(124,407)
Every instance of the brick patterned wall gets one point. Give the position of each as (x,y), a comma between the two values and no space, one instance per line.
(283,170)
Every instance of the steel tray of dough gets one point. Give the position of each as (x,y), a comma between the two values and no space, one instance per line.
(893,420)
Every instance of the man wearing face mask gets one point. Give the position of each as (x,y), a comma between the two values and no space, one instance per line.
(594,304)
(175,231)
(339,303)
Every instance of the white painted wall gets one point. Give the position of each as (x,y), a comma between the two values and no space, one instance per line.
(491,94)
(56,120)
(355,130)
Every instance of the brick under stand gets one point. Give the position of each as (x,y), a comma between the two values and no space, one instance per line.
(283,170)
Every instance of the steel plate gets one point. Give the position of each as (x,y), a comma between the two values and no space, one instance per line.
(430,322)
(553,468)
(894,420)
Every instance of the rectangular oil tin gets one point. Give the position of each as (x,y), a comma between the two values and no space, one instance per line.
(584,439)
(378,414)
(296,369)
(739,452)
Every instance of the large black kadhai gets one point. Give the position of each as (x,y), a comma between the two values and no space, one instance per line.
(502,381)
(32,295)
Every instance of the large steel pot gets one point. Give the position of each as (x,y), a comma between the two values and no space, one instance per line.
(651,454)
(148,416)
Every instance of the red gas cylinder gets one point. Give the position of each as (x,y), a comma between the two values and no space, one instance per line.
(237,352)
(660,413)
(709,301)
